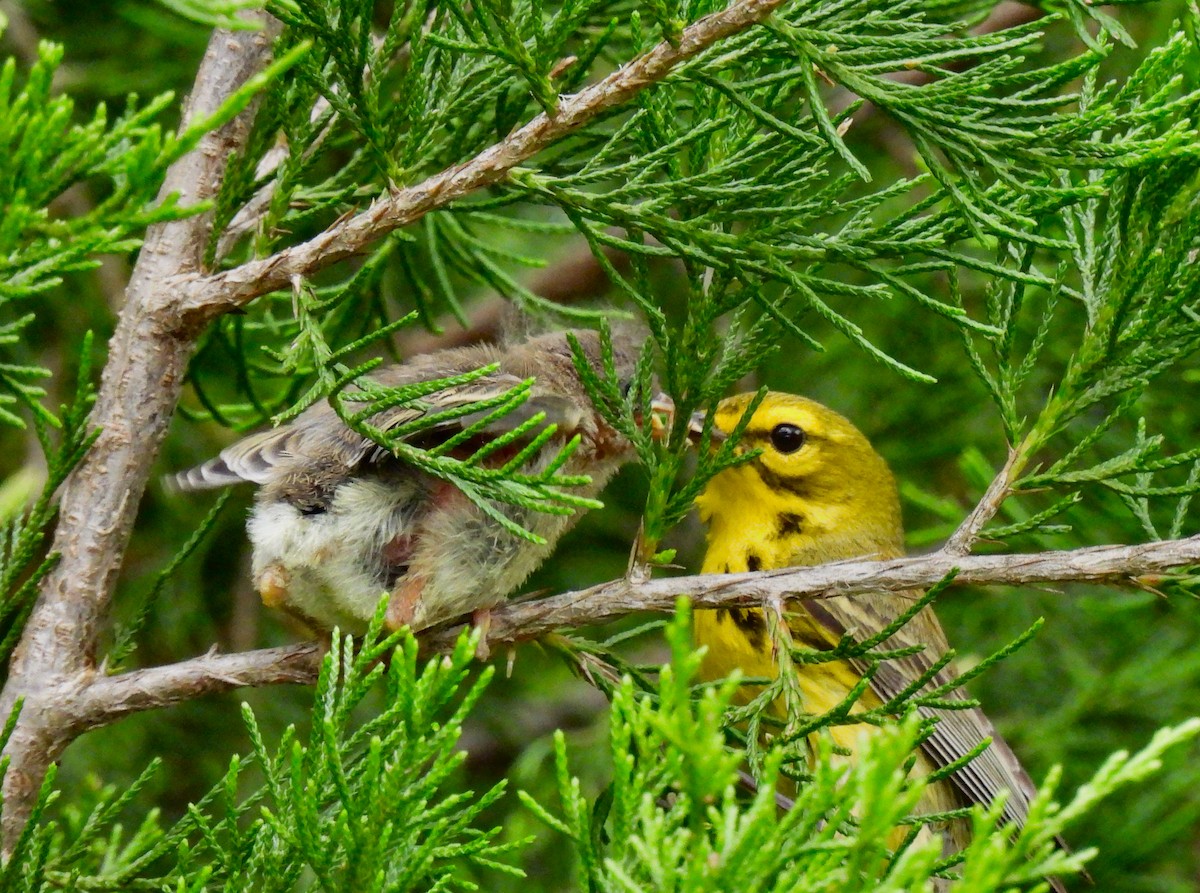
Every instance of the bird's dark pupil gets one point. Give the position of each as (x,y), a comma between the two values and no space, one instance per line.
(787,438)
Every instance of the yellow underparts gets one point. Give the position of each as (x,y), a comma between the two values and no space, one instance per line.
(754,527)
(740,640)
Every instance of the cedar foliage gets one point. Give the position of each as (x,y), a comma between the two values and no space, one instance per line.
(1002,256)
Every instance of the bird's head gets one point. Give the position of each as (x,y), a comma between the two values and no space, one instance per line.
(819,484)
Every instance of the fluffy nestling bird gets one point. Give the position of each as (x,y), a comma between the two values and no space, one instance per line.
(338,521)
(817,493)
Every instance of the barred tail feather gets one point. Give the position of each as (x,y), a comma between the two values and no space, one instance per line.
(211,475)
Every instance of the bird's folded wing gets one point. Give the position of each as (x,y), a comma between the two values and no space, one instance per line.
(252,459)
(317,433)
(956,732)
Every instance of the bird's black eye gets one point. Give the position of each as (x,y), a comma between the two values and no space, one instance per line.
(312,508)
(787,438)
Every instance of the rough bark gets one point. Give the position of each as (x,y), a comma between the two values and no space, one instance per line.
(56,658)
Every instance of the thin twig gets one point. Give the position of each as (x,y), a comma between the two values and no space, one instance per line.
(1117,565)
(109,698)
(193,301)
(963,539)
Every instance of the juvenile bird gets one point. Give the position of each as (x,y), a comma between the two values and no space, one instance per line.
(339,521)
(817,493)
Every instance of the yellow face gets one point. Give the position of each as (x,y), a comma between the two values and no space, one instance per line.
(818,491)
(800,439)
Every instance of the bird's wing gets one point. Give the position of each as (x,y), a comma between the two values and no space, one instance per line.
(956,732)
(252,459)
(317,431)
(559,409)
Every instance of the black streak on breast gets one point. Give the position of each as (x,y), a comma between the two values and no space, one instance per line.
(788,525)
(751,624)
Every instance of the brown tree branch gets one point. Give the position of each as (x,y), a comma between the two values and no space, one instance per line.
(196,299)
(110,698)
(141,384)
(1098,564)
(964,538)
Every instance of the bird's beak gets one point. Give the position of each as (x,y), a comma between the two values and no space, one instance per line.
(696,429)
(662,416)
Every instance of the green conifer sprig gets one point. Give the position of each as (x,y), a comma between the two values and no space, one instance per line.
(47,150)
(215,13)
(663,824)
(359,804)
(63,438)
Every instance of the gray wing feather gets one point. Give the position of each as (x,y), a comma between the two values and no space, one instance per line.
(956,732)
(319,432)
(252,459)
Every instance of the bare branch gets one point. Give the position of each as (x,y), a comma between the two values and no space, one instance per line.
(599,604)
(111,697)
(205,297)
(116,696)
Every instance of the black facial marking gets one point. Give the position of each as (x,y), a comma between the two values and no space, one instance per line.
(801,487)
(788,524)
(753,562)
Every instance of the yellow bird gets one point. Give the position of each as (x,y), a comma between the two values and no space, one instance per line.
(817,493)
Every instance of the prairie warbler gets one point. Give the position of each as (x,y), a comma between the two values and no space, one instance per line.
(819,492)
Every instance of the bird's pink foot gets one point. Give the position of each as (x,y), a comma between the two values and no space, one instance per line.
(402,605)
(481,619)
